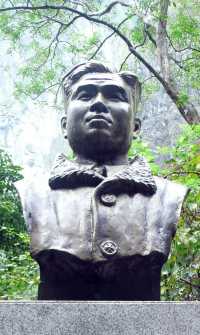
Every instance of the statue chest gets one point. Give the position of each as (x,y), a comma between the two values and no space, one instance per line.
(96,226)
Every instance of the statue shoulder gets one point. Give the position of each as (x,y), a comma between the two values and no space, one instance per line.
(171,195)
(168,188)
(36,183)
(32,190)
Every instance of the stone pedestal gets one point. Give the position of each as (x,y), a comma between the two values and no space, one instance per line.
(106,318)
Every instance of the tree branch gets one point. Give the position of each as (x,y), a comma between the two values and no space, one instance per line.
(109,8)
(45,90)
(146,29)
(67,25)
(178,63)
(181,173)
(107,38)
(124,61)
(188,110)
(146,79)
(63,26)
(55,39)
(57,91)
(78,3)
(100,45)
(180,50)
(130,53)
(190,283)
(96,20)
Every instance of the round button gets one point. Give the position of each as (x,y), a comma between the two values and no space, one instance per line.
(109,248)
(108,199)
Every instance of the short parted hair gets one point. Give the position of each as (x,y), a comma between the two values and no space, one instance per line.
(93,67)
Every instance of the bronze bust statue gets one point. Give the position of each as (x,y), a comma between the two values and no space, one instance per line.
(101,226)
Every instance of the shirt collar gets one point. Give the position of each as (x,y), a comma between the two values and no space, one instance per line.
(133,178)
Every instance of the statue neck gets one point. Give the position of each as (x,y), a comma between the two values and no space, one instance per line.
(117,160)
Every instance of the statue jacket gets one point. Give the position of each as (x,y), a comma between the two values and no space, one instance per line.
(98,213)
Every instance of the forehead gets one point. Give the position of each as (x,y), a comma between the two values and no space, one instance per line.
(101,79)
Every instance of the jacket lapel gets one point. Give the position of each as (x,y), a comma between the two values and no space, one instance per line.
(135,177)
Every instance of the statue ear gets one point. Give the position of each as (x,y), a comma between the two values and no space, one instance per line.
(137,127)
(64,126)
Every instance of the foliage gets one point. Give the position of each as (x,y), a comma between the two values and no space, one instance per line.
(142,148)
(18,275)
(51,40)
(11,220)
(18,272)
(181,273)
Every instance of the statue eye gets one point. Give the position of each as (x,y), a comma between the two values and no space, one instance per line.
(84,96)
(116,97)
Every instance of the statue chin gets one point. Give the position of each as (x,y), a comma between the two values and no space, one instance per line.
(96,142)
(97,147)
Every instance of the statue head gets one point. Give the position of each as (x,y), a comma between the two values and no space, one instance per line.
(100,109)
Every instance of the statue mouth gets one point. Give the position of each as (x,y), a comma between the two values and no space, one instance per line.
(98,118)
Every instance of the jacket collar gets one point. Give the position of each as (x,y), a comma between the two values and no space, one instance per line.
(133,178)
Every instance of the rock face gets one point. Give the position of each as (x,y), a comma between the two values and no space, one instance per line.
(161,121)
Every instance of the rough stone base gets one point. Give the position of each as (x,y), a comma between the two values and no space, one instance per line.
(85,318)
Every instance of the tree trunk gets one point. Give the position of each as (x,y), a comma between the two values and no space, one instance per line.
(187,109)
(162,42)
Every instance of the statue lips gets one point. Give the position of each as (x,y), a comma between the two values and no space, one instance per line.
(99,120)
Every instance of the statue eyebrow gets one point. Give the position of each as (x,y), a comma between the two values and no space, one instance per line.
(116,88)
(104,88)
(83,88)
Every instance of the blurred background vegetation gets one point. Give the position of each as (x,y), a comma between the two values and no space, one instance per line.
(18,273)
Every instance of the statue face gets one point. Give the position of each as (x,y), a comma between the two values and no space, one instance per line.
(100,118)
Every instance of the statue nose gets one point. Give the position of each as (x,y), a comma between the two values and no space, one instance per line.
(98,107)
